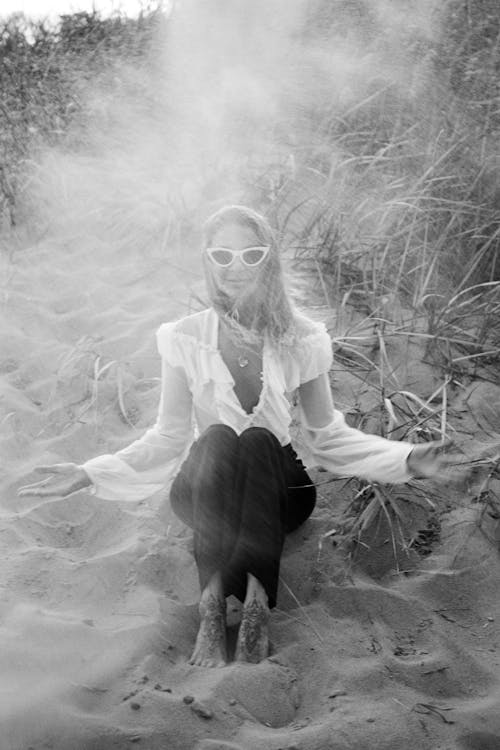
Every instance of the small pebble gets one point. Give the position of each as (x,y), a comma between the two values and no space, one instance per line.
(201,710)
(162,689)
(188,699)
(144,679)
(233,702)
(130,695)
(135,706)
(370,721)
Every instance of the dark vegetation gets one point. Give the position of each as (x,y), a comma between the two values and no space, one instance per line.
(44,70)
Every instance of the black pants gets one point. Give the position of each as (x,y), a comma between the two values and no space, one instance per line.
(241,495)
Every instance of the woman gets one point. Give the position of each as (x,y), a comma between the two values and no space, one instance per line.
(229,377)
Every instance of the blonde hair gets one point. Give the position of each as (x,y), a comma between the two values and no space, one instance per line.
(272,311)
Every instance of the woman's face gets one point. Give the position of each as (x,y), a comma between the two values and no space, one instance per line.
(237,279)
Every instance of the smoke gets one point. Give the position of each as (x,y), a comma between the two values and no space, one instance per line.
(228,91)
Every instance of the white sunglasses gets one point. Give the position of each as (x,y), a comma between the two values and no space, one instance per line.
(250,256)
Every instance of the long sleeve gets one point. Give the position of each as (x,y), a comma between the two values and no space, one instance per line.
(148,464)
(344,450)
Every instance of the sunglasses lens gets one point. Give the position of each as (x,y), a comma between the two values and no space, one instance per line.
(220,256)
(253,255)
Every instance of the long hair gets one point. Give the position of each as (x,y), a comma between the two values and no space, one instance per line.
(272,311)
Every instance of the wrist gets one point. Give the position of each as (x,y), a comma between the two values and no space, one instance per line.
(412,463)
(84,479)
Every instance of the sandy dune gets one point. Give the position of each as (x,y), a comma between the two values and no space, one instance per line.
(97,604)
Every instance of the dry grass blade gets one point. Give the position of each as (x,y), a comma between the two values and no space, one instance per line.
(6,418)
(465,357)
(428,708)
(437,337)
(479,256)
(355,350)
(99,372)
(393,420)
(444,410)
(422,404)
(368,517)
(121,402)
(302,609)
(482,287)
(322,282)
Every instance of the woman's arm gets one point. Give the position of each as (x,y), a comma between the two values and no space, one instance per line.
(146,466)
(344,450)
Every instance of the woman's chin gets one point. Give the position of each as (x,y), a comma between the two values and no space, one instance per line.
(236,283)
(236,291)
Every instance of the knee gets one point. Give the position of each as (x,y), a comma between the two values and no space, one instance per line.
(218,432)
(218,438)
(254,437)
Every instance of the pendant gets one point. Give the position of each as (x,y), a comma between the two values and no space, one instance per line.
(242,360)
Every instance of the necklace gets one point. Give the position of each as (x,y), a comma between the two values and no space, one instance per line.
(249,340)
(242,360)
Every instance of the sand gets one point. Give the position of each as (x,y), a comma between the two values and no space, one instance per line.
(98,599)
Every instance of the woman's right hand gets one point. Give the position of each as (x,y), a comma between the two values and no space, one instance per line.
(63,480)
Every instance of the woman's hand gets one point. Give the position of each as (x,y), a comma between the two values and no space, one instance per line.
(64,479)
(432,461)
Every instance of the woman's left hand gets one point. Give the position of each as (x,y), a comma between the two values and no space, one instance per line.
(435,461)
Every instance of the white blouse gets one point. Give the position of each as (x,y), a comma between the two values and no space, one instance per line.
(198,391)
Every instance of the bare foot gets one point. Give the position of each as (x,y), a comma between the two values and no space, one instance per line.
(210,647)
(253,639)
